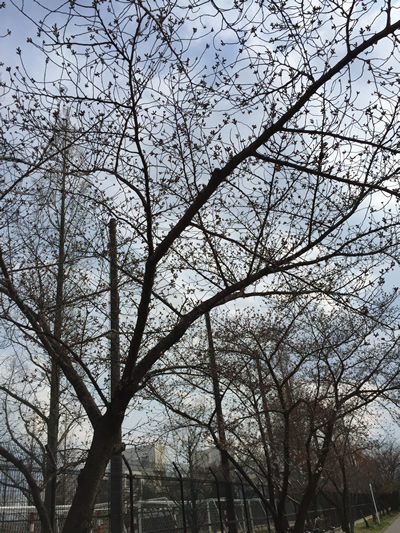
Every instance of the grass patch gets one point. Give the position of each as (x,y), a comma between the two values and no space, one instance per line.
(374,527)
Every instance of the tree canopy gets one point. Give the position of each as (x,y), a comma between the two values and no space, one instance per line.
(246,152)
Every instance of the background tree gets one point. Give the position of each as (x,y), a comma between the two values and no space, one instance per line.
(50,245)
(247,152)
(382,467)
(186,444)
(344,475)
(289,382)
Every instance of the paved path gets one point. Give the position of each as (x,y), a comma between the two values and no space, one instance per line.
(394,527)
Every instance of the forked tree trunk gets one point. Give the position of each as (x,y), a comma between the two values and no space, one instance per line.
(106,436)
(313,481)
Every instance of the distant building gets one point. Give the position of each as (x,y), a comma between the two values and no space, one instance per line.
(146,459)
(208,457)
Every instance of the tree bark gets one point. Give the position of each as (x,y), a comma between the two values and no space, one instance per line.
(313,481)
(106,439)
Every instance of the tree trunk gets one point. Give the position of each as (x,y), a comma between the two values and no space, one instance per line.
(280,524)
(105,438)
(313,480)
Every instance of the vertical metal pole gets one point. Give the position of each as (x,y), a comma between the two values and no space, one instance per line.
(225,464)
(265,506)
(53,486)
(182,498)
(221,520)
(209,517)
(246,511)
(326,521)
(250,515)
(131,507)
(117,500)
(373,499)
(53,419)
(140,516)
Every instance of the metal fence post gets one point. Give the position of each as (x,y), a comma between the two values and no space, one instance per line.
(131,508)
(246,511)
(265,506)
(221,521)
(182,497)
(210,529)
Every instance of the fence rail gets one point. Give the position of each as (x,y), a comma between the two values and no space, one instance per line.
(167,504)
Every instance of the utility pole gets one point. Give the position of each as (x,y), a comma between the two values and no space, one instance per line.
(225,465)
(53,419)
(117,501)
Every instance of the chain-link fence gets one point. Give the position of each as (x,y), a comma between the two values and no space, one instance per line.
(169,504)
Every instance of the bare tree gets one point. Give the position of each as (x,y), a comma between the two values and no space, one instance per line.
(382,468)
(51,249)
(187,445)
(244,152)
(343,476)
(290,382)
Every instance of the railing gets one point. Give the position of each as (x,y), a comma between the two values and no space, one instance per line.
(167,504)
